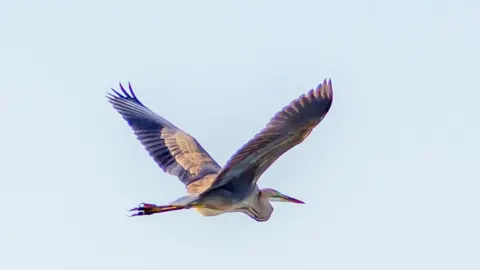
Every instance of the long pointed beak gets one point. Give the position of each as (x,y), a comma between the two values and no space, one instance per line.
(292,200)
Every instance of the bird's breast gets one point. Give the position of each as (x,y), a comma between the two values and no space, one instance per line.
(209,212)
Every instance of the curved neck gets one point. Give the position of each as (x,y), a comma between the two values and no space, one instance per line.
(259,207)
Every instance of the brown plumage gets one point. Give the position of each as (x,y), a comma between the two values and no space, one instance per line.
(287,128)
(180,154)
(175,151)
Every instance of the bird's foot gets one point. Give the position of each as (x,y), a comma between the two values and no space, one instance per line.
(148,209)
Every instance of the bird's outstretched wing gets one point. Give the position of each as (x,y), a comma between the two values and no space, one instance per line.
(287,128)
(175,151)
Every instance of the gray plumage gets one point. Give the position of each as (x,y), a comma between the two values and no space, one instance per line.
(213,190)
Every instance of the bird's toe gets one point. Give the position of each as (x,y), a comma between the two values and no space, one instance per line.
(143,209)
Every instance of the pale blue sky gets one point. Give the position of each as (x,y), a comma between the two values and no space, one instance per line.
(390,177)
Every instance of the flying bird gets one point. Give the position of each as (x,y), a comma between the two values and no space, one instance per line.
(211,189)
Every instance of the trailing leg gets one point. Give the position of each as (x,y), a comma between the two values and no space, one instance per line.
(148,209)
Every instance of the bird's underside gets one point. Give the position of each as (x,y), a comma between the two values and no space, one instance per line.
(179,154)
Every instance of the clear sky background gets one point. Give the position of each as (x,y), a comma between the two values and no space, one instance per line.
(390,177)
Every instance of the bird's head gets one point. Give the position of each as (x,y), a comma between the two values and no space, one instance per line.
(275,196)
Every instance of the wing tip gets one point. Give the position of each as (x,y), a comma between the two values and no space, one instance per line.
(325,89)
(123,94)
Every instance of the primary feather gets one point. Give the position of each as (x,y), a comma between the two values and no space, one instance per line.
(175,151)
(289,127)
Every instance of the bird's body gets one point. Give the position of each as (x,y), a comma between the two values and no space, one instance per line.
(213,190)
(220,202)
